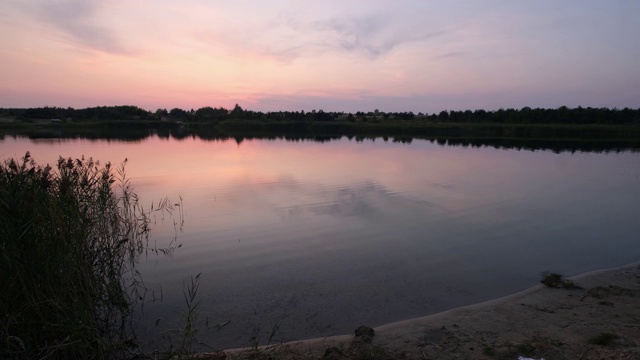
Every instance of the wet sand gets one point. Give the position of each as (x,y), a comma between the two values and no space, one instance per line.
(599,320)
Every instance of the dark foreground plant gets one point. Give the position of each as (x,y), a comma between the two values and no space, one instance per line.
(554,280)
(604,339)
(69,237)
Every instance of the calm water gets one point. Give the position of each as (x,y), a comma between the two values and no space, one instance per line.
(323,237)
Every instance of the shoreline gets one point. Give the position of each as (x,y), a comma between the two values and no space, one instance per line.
(600,320)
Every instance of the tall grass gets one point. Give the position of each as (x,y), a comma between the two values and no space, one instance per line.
(69,236)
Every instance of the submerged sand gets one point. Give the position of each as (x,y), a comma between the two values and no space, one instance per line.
(599,320)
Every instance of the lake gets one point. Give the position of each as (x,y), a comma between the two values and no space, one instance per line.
(319,237)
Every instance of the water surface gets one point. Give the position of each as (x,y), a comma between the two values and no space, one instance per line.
(321,237)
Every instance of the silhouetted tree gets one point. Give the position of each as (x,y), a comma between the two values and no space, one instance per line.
(177,113)
(236,112)
(160,113)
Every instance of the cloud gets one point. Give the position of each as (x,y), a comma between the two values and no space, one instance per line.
(450,55)
(355,34)
(289,36)
(373,35)
(77,20)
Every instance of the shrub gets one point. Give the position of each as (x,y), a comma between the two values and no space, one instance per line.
(554,280)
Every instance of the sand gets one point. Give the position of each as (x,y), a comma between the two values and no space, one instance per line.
(600,320)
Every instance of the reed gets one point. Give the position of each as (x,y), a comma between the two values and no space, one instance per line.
(69,239)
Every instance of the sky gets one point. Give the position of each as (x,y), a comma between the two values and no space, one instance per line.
(348,55)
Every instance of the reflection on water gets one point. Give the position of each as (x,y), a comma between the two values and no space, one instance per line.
(321,237)
(560,139)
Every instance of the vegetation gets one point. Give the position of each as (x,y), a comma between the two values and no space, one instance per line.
(94,113)
(255,351)
(554,280)
(600,292)
(562,129)
(526,115)
(70,236)
(182,342)
(611,138)
(488,351)
(69,239)
(604,339)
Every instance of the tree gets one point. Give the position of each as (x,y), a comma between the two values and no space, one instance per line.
(160,113)
(177,113)
(237,111)
(208,113)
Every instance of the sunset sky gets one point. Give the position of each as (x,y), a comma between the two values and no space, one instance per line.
(393,55)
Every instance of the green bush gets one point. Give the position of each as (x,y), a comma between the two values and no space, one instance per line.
(69,237)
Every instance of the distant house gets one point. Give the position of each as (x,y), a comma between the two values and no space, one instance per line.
(56,120)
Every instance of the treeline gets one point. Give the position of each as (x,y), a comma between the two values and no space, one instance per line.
(526,115)
(103,113)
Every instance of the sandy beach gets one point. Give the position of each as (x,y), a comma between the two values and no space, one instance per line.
(598,319)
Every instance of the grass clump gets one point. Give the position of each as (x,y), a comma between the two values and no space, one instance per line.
(69,239)
(600,292)
(375,352)
(554,280)
(604,339)
(489,351)
(526,347)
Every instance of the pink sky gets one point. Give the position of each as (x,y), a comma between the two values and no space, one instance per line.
(412,55)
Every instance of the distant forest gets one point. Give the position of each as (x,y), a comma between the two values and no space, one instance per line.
(526,115)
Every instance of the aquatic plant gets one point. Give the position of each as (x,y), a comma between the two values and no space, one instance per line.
(69,240)
(181,342)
